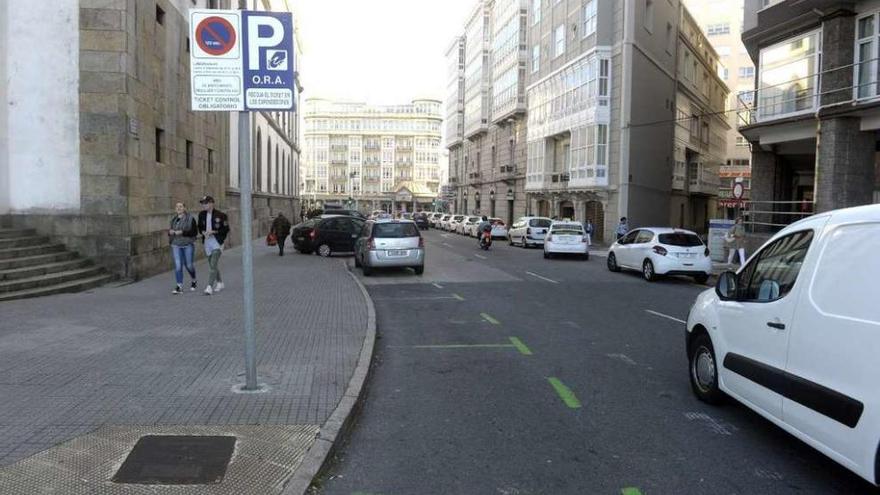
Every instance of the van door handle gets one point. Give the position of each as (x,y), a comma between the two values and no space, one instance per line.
(776,325)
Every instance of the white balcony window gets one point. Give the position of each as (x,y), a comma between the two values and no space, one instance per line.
(559,40)
(789,77)
(536,58)
(866,50)
(536,11)
(589,17)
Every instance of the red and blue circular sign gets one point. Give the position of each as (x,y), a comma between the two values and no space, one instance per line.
(215,36)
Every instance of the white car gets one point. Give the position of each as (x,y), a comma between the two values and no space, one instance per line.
(795,335)
(529,231)
(452,224)
(498,228)
(443,223)
(659,251)
(566,238)
(434,219)
(468,226)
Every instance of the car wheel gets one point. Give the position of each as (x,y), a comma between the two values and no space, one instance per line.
(546,255)
(419,269)
(612,263)
(586,257)
(701,278)
(510,241)
(703,369)
(324,250)
(367,270)
(648,271)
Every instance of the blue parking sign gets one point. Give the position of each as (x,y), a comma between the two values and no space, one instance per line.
(269,81)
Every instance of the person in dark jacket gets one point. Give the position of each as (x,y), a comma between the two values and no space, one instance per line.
(213,227)
(182,234)
(281,229)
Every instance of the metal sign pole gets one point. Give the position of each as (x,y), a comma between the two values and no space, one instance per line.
(247,249)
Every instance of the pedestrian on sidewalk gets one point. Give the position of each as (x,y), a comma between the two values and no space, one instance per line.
(622,228)
(736,237)
(182,235)
(213,227)
(588,229)
(281,229)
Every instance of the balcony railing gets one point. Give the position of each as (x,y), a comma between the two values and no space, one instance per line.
(703,180)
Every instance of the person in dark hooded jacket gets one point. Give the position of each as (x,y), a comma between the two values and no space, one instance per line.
(281,229)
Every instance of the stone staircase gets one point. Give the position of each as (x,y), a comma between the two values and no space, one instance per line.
(32,266)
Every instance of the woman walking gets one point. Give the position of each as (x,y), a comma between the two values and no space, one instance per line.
(281,229)
(736,237)
(182,234)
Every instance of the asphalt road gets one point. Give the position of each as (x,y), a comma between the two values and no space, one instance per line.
(505,373)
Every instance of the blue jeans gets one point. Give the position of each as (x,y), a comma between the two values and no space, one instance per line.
(183,256)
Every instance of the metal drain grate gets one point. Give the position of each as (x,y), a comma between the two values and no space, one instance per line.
(177,460)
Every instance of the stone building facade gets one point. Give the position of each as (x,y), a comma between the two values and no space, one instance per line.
(96,150)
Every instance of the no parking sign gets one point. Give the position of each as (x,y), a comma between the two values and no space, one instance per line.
(241,60)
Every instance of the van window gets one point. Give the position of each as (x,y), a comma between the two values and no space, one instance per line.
(395,230)
(851,249)
(772,274)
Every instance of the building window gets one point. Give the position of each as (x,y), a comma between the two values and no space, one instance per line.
(160,15)
(649,15)
(536,11)
(723,73)
(536,58)
(559,40)
(589,17)
(718,29)
(866,56)
(189,154)
(670,39)
(211,161)
(160,143)
(746,72)
(788,76)
(212,4)
(741,142)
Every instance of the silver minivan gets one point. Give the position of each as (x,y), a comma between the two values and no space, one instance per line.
(390,243)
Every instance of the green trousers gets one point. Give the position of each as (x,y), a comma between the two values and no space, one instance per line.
(214,264)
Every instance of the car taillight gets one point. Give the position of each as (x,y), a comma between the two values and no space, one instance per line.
(660,250)
(549,238)
(706,252)
(372,244)
(584,239)
(313,234)
(421,242)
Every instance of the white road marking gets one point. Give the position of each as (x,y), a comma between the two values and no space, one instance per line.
(480,256)
(543,278)
(435,284)
(661,315)
(716,426)
(622,357)
(426,298)
(446,244)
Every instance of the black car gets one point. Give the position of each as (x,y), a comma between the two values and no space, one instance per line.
(326,236)
(421,220)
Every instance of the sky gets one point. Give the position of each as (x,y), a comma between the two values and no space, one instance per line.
(377,51)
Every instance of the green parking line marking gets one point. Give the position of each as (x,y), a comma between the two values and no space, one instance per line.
(522,348)
(565,393)
(456,296)
(490,319)
(630,491)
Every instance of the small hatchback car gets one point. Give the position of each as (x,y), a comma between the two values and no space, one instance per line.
(661,251)
(390,243)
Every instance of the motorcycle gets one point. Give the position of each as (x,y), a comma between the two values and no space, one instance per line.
(486,240)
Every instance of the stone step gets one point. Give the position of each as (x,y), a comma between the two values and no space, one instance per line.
(21,252)
(50,279)
(43,269)
(77,285)
(33,240)
(7,233)
(41,259)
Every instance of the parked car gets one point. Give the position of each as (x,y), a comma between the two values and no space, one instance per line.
(794,336)
(529,231)
(498,228)
(444,222)
(660,251)
(421,220)
(343,212)
(452,224)
(434,219)
(326,236)
(390,243)
(566,237)
(468,227)
(406,216)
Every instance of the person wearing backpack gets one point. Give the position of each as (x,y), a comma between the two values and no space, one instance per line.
(182,233)
(280,229)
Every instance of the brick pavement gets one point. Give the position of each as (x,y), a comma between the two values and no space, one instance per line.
(137,355)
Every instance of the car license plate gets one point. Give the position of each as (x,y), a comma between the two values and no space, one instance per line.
(685,255)
(397,253)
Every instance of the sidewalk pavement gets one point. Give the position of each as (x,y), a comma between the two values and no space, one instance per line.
(85,375)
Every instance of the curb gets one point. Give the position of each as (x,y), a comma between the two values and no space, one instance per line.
(340,422)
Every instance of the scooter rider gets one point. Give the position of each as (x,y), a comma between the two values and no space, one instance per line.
(482,228)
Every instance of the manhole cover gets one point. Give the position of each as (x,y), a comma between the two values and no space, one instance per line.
(176,460)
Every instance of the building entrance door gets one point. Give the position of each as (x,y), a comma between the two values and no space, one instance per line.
(566,210)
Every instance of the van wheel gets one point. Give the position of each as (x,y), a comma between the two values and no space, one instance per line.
(648,271)
(704,370)
(324,251)
(612,263)
(701,278)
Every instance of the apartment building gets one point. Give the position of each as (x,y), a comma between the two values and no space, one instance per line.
(701,131)
(813,117)
(486,110)
(722,22)
(371,157)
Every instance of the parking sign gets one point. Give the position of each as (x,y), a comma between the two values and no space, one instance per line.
(242,60)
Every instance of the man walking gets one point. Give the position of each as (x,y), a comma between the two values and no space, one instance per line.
(622,228)
(213,227)
(281,229)
(588,229)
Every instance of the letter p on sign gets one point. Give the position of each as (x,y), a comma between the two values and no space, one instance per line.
(258,27)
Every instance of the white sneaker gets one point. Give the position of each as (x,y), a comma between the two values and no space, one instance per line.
(208,290)
(219,286)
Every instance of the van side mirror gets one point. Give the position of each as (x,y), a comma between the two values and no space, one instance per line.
(726,286)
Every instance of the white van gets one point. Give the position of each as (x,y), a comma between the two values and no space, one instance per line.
(795,335)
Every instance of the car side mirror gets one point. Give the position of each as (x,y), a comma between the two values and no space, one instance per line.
(726,286)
